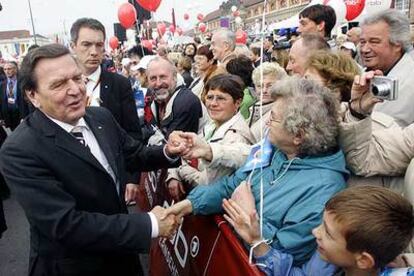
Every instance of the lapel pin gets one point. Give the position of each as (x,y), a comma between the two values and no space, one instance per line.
(99,127)
(106,86)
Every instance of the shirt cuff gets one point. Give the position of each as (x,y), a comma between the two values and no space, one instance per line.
(171,160)
(154,225)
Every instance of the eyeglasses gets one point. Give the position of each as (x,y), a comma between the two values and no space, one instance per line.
(272,119)
(218,98)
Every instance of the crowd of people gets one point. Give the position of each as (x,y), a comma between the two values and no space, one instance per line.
(320,134)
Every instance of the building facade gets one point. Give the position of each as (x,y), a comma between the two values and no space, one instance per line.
(16,43)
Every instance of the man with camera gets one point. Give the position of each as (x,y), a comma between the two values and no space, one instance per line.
(386,152)
(385,45)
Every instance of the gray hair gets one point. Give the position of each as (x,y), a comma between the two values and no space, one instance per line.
(161,59)
(269,69)
(311,111)
(228,36)
(398,23)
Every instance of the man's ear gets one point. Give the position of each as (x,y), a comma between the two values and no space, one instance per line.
(31,95)
(365,261)
(321,27)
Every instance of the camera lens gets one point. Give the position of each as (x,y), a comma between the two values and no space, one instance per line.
(381,90)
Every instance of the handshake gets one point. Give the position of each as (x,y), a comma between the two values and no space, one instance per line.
(169,219)
(188,145)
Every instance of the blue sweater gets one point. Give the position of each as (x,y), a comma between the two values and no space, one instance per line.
(295,193)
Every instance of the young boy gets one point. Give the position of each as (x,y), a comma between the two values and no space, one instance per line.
(364,228)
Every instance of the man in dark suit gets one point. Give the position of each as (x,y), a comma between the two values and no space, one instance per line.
(13,107)
(66,166)
(106,89)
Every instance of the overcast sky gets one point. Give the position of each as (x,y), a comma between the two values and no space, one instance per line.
(55,16)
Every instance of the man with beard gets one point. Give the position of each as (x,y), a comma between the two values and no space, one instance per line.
(173,107)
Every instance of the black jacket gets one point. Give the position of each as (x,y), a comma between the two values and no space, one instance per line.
(78,221)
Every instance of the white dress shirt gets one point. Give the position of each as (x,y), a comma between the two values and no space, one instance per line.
(97,152)
(93,87)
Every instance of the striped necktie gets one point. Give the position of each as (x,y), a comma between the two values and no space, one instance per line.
(77,133)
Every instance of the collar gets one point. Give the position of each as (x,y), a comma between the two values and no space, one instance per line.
(14,79)
(68,127)
(95,75)
(395,63)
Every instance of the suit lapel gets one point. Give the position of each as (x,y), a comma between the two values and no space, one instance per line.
(105,87)
(101,135)
(64,140)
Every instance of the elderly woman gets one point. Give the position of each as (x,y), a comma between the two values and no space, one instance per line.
(206,68)
(300,170)
(260,111)
(217,157)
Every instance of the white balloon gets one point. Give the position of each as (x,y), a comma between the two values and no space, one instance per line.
(154,35)
(233,8)
(238,20)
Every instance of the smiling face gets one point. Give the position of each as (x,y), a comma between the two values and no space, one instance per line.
(89,49)
(376,50)
(263,89)
(161,79)
(60,91)
(278,135)
(221,106)
(332,243)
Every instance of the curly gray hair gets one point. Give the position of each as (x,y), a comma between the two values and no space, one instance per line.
(398,23)
(310,111)
(269,68)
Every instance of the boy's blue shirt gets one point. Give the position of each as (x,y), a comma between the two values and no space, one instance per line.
(276,263)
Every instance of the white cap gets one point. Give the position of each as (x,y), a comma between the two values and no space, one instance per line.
(349,45)
(125,61)
(143,63)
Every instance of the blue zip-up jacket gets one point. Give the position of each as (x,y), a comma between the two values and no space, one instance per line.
(295,193)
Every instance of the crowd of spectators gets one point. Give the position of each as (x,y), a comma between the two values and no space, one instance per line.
(301,131)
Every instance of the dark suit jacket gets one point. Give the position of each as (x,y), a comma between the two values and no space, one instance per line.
(116,95)
(22,106)
(78,222)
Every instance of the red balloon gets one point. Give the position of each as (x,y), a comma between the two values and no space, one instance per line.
(241,37)
(149,5)
(179,31)
(127,15)
(200,17)
(202,27)
(161,28)
(236,13)
(172,28)
(113,42)
(354,8)
(186,16)
(147,44)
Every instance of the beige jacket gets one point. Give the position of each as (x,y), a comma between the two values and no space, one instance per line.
(258,129)
(230,145)
(380,152)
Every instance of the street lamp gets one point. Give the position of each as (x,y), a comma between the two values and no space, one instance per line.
(31,18)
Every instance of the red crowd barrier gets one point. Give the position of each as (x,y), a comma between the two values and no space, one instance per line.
(203,245)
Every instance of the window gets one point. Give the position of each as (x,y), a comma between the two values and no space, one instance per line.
(402,5)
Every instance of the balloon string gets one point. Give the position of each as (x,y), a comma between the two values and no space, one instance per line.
(262,33)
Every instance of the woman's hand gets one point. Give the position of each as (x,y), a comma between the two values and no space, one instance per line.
(246,225)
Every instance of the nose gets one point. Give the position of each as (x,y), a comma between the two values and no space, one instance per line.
(364,48)
(289,66)
(315,232)
(75,87)
(93,50)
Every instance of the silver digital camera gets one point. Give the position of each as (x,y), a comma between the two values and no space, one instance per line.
(385,88)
